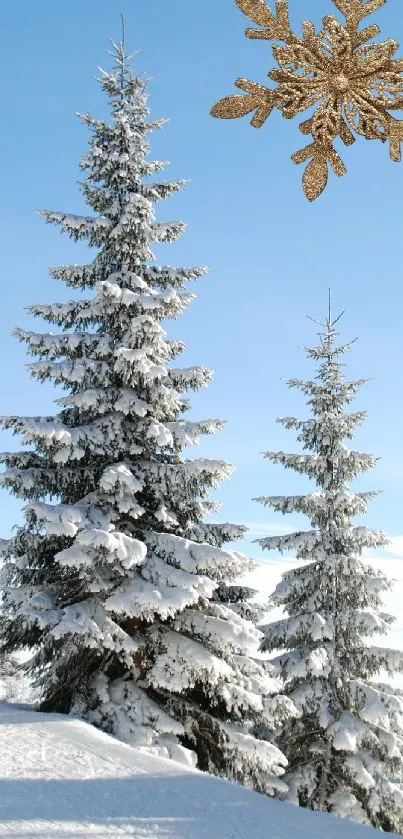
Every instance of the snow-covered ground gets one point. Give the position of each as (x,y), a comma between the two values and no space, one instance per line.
(62,779)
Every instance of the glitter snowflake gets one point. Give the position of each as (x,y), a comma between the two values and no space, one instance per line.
(352,82)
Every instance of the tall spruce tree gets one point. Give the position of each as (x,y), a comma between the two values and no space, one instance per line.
(114,578)
(347,744)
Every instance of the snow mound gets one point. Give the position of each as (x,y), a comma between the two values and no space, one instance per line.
(62,778)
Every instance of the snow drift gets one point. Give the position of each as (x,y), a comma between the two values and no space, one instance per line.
(62,778)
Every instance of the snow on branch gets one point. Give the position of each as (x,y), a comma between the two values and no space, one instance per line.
(167,231)
(349,464)
(91,543)
(198,558)
(94,229)
(319,544)
(68,519)
(190,377)
(337,501)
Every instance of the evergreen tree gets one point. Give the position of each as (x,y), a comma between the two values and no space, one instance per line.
(347,744)
(114,578)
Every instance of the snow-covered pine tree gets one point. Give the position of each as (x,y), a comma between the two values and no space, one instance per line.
(347,743)
(114,578)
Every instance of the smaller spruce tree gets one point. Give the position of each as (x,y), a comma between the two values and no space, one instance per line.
(347,744)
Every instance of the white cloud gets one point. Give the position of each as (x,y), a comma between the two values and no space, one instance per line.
(395,548)
(259,529)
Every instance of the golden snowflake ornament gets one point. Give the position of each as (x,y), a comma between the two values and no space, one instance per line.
(352,82)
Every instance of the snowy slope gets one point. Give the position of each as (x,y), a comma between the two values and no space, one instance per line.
(62,778)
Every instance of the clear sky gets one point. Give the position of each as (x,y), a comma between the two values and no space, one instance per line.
(272,255)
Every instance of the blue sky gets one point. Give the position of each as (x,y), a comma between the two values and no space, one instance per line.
(272,255)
